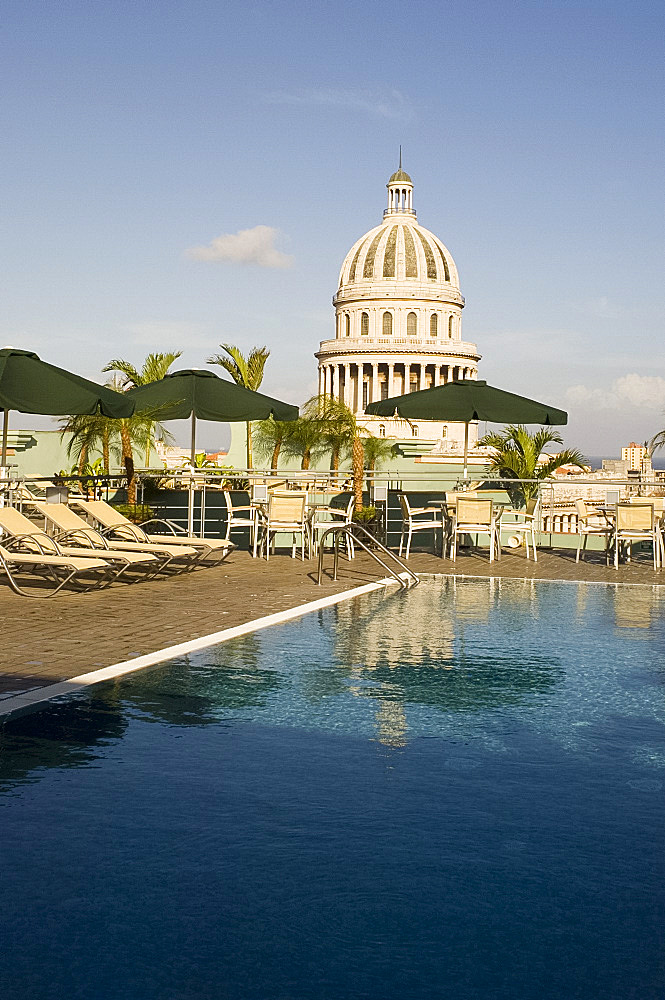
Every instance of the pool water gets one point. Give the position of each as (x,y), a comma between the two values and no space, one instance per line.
(457,792)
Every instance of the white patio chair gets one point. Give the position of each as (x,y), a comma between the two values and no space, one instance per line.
(476,517)
(242,517)
(523,526)
(636,522)
(324,517)
(595,524)
(418,519)
(287,512)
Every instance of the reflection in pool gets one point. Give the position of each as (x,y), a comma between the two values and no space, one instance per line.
(454,792)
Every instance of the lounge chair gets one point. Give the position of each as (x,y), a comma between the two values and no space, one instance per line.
(20,534)
(72,528)
(61,569)
(115,525)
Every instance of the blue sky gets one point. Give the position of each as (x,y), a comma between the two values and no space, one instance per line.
(533,131)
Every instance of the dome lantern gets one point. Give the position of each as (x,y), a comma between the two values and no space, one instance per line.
(400,193)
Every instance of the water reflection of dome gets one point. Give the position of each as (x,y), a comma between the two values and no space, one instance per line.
(442,658)
(423,628)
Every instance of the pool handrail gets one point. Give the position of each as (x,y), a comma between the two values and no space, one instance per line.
(350,530)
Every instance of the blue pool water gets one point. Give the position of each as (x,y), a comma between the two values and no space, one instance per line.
(455,793)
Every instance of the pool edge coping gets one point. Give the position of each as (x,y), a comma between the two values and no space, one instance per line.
(35,698)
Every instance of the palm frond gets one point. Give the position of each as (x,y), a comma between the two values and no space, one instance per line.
(234,364)
(256,363)
(132,376)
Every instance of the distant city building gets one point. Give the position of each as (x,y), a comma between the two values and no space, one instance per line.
(637,457)
(398,322)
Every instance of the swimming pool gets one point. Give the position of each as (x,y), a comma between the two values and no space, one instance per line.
(456,792)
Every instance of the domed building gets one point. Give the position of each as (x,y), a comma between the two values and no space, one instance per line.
(398,316)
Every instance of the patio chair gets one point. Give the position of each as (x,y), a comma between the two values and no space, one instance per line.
(595,524)
(69,527)
(474,516)
(524,525)
(287,512)
(117,526)
(61,569)
(418,519)
(324,516)
(636,522)
(245,516)
(20,534)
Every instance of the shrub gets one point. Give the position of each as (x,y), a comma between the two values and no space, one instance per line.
(136,513)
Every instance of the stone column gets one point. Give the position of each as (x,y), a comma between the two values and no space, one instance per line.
(437,374)
(375,381)
(391,379)
(335,381)
(421,377)
(348,386)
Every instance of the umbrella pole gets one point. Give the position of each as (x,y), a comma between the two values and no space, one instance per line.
(5,428)
(192,461)
(466,448)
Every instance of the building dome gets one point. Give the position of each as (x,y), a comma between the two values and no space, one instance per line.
(398,311)
(399,250)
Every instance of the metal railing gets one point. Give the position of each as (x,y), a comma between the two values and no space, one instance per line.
(351,532)
(170,493)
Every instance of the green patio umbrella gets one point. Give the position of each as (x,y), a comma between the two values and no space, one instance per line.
(30,385)
(466,400)
(200,393)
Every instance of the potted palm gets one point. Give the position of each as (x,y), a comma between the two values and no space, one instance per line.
(516,456)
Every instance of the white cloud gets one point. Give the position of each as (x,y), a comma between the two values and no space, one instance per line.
(389,103)
(643,392)
(247,246)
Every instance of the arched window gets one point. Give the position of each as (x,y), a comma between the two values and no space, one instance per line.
(347,325)
(433,325)
(412,325)
(387,324)
(414,431)
(364,324)
(450,326)
(382,430)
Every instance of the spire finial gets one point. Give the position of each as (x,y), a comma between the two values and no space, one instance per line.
(400,156)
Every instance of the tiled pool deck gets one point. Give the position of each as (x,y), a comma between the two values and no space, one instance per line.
(44,642)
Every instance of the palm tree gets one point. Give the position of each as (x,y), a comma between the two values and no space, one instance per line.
(516,454)
(245,371)
(87,432)
(338,425)
(304,440)
(140,428)
(270,437)
(154,368)
(377,450)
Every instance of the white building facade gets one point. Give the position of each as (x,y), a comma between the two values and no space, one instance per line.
(398,322)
